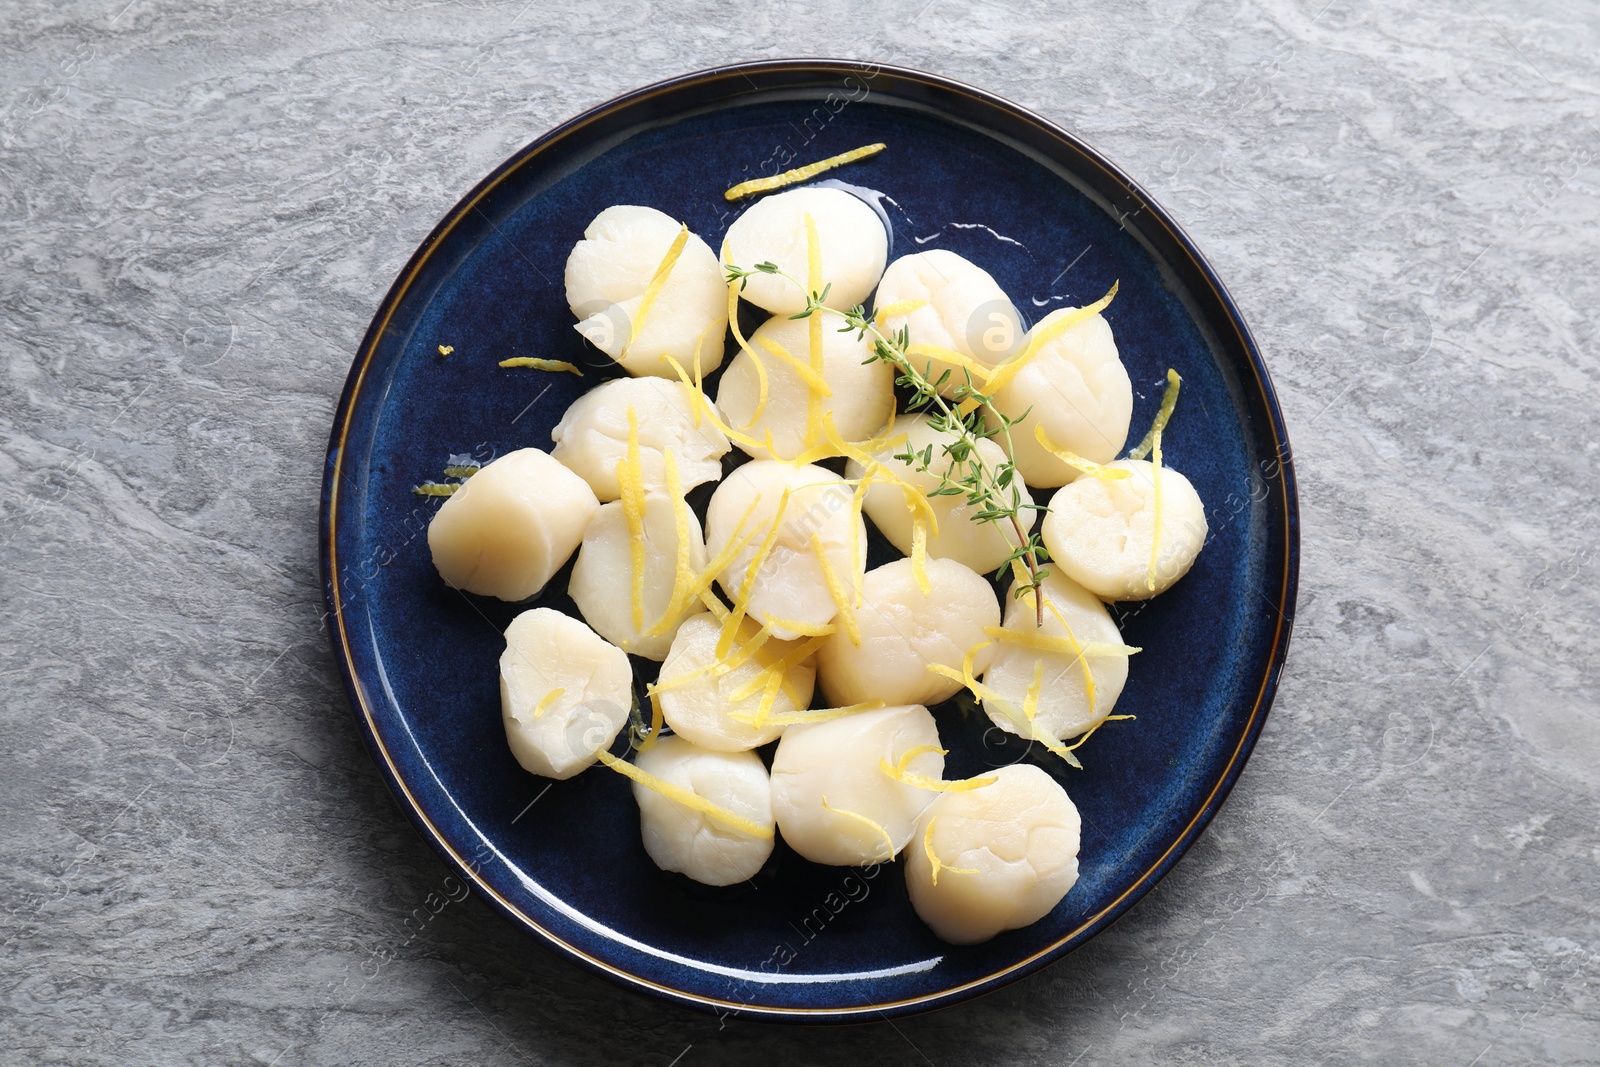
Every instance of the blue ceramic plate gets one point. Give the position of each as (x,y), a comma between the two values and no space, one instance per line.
(1055,224)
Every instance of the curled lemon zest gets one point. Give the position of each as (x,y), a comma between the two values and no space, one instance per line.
(804,629)
(462,472)
(701,405)
(876,826)
(744,346)
(1059,645)
(792,658)
(1169,400)
(769,697)
(979,372)
(741,599)
(919,555)
(630,477)
(657,719)
(1072,459)
(1077,653)
(1002,375)
(682,570)
(836,590)
(1030,699)
(657,281)
(541,364)
(800,174)
(903,307)
(548,699)
(802,718)
(915,498)
(687,798)
(436,488)
(933,857)
(701,586)
(1025,725)
(900,773)
(807,373)
(445,350)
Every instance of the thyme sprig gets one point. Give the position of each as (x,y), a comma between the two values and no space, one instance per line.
(995,492)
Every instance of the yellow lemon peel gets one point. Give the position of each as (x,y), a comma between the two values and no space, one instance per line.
(1072,459)
(1169,400)
(1002,375)
(919,555)
(630,479)
(1155,507)
(800,174)
(933,857)
(876,826)
(436,488)
(548,699)
(687,798)
(541,364)
(802,718)
(979,372)
(903,307)
(445,350)
(836,590)
(657,281)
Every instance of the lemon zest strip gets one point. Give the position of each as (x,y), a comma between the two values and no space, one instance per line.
(915,498)
(548,699)
(630,478)
(1002,375)
(802,718)
(863,819)
(1169,400)
(807,373)
(919,555)
(541,364)
(741,600)
(903,307)
(436,488)
(922,781)
(836,590)
(682,571)
(933,857)
(1059,645)
(687,798)
(800,174)
(701,405)
(744,346)
(979,372)
(657,281)
(1155,521)
(1072,459)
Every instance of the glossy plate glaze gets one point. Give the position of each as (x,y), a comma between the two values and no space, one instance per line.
(1055,224)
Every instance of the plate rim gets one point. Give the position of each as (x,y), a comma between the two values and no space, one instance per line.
(339,637)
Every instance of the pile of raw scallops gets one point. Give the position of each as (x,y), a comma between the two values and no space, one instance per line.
(769,629)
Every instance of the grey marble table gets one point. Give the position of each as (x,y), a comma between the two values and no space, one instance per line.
(200,205)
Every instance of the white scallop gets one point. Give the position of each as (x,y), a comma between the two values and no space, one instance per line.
(838,761)
(964,310)
(903,631)
(1064,709)
(1014,844)
(593,435)
(606,278)
(703,708)
(790,586)
(511,525)
(545,651)
(983,546)
(1100,532)
(690,842)
(862,393)
(850,236)
(1077,389)
(602,578)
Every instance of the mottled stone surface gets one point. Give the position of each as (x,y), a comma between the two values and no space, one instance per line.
(200,205)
